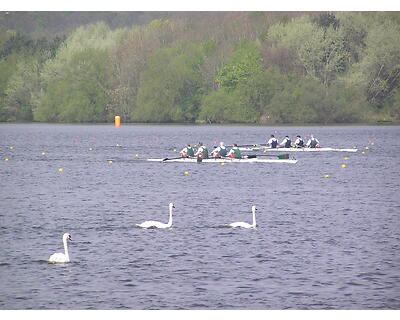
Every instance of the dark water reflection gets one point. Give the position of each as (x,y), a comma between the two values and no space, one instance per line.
(322,243)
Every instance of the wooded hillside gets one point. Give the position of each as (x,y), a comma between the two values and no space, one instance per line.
(215,67)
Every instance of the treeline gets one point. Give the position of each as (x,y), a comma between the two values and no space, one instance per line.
(241,67)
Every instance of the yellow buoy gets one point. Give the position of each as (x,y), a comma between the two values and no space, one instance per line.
(222,163)
(186,172)
(117,121)
(11,148)
(61,170)
(327,175)
(343,166)
(136,155)
(6,159)
(362,152)
(90,149)
(174,150)
(43,153)
(110,161)
(366,148)
(346,158)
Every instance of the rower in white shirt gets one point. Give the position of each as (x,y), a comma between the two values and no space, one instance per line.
(313,142)
(286,142)
(272,142)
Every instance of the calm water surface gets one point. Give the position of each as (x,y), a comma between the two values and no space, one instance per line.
(321,243)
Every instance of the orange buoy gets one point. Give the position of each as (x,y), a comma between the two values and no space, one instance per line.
(117,121)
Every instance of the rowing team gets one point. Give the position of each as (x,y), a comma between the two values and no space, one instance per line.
(219,152)
(298,143)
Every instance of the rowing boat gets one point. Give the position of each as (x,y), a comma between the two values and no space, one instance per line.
(296,149)
(226,160)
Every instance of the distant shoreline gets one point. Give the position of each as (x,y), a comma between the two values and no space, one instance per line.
(377,123)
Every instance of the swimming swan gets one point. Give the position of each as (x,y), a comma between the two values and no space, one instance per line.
(245,224)
(156,224)
(62,257)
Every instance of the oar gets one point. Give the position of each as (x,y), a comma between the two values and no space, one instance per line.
(165,159)
(254,145)
(280,156)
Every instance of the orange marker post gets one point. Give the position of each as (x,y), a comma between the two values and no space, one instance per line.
(117,121)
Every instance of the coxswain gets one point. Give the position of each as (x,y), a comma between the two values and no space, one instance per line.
(299,143)
(219,151)
(313,142)
(272,142)
(187,152)
(286,142)
(235,152)
(202,151)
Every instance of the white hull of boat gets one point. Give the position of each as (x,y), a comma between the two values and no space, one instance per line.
(297,149)
(228,160)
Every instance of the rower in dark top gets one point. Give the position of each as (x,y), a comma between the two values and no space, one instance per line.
(235,152)
(220,151)
(286,142)
(313,142)
(187,152)
(202,151)
(299,143)
(272,142)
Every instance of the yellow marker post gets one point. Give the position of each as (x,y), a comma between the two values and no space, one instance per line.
(117,121)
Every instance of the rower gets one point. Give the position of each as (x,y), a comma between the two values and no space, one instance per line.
(272,142)
(313,142)
(299,143)
(286,142)
(220,151)
(187,152)
(235,152)
(202,151)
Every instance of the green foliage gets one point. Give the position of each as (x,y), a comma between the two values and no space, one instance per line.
(380,68)
(170,85)
(219,67)
(245,62)
(79,94)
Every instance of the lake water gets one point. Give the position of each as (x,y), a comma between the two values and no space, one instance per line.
(321,243)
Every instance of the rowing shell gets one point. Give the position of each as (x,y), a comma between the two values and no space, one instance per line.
(297,149)
(227,160)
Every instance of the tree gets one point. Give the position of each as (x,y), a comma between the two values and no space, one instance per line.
(80,93)
(170,85)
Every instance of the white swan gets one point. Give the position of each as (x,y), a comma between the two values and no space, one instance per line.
(62,257)
(245,224)
(156,224)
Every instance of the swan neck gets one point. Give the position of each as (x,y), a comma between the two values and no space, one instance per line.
(66,248)
(170,217)
(254,218)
